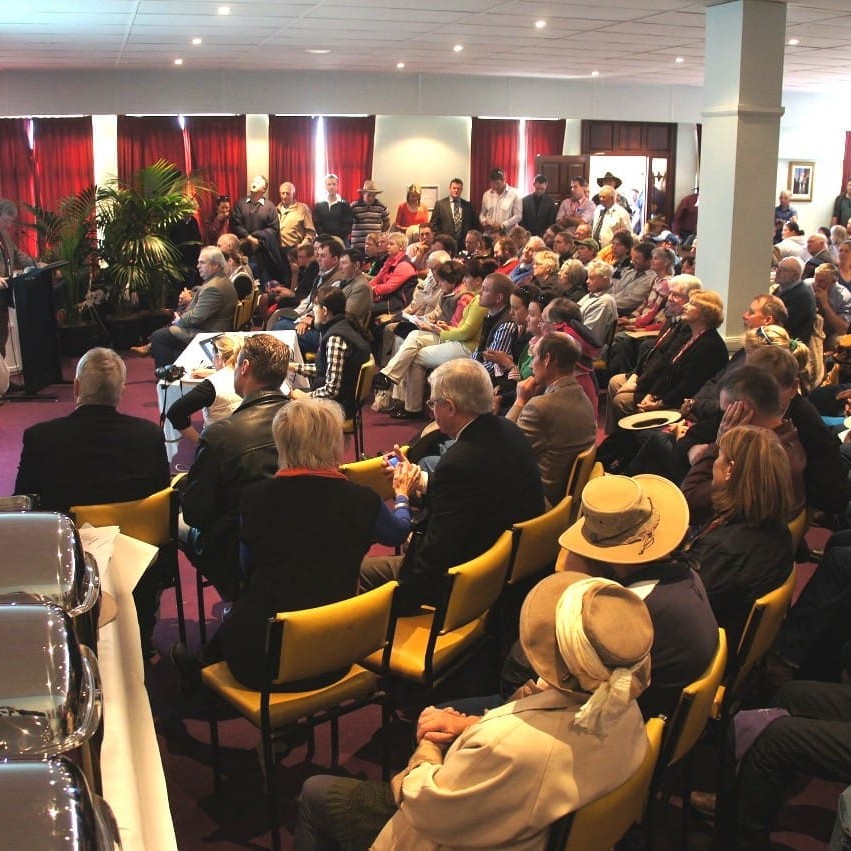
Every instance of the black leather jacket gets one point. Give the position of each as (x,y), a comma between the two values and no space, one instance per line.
(232,454)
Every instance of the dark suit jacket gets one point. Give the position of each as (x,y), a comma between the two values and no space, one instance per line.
(484,483)
(537,221)
(443,222)
(91,456)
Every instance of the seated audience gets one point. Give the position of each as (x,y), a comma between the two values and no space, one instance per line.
(553,411)
(745,550)
(573,279)
(681,366)
(491,464)
(501,780)
(819,253)
(520,300)
(793,242)
(524,270)
(95,455)
(797,296)
(343,349)
(545,268)
(291,572)
(598,308)
(394,284)
(630,290)
(648,316)
(630,531)
(833,303)
(238,270)
(232,454)
(215,395)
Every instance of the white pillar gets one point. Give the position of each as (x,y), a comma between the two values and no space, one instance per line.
(741,126)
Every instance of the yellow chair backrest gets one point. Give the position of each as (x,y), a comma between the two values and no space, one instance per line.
(798,527)
(600,824)
(580,473)
(365,376)
(476,584)
(329,638)
(370,474)
(152,519)
(535,542)
(695,706)
(761,628)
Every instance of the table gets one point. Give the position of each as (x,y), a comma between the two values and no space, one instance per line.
(193,357)
(131,769)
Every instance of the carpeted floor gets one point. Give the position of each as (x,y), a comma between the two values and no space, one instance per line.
(237,819)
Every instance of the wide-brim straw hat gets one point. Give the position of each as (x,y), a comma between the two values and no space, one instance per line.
(628,520)
(369,186)
(601,181)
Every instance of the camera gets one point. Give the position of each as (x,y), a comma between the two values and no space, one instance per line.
(169,372)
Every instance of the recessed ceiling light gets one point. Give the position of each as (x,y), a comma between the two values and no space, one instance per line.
(224,10)
(679,60)
(178,61)
(400,65)
(540,24)
(318,51)
(458,48)
(595,73)
(196,41)
(794,41)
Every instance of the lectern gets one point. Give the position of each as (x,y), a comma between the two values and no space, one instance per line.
(35,307)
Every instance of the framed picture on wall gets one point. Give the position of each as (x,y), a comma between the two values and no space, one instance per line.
(800,180)
(429,197)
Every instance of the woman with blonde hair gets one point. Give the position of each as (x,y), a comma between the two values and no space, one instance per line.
(215,396)
(746,548)
(776,335)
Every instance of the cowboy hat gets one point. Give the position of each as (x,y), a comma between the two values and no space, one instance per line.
(559,634)
(628,520)
(602,181)
(369,186)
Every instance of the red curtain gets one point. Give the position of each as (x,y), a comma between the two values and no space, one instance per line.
(142,140)
(217,150)
(291,155)
(349,146)
(17,177)
(545,138)
(494,144)
(64,158)
(846,164)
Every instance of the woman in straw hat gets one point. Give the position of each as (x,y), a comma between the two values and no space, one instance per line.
(501,780)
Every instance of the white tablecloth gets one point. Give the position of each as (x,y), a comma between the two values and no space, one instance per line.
(133,780)
(193,357)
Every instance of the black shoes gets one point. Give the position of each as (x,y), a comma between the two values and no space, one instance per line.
(405,414)
(381,382)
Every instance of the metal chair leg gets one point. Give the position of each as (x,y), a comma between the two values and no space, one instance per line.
(202,616)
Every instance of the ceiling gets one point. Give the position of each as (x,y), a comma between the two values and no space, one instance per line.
(635,40)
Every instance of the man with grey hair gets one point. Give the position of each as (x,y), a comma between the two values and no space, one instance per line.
(599,308)
(295,222)
(833,302)
(209,309)
(609,217)
(96,455)
(11,260)
(485,482)
(798,298)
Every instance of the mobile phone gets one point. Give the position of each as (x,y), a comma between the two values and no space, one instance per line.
(392,460)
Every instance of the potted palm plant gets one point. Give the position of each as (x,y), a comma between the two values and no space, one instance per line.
(141,263)
(69,234)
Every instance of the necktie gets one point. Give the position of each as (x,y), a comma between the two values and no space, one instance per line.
(598,226)
(456,216)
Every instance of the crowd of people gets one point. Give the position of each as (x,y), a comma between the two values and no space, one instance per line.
(514,328)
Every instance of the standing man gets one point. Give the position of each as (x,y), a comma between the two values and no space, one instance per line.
(255,221)
(609,217)
(842,207)
(210,309)
(453,215)
(577,208)
(333,217)
(501,204)
(295,223)
(369,215)
(539,210)
(11,259)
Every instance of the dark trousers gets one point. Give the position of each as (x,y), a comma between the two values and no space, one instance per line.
(819,623)
(166,345)
(307,342)
(815,742)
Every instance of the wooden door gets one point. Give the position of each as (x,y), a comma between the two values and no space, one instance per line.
(559,170)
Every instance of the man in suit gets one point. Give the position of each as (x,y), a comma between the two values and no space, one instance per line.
(539,210)
(210,309)
(254,219)
(453,215)
(554,413)
(486,481)
(96,455)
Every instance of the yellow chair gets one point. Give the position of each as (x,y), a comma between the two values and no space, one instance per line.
(427,647)
(244,311)
(152,520)
(767,615)
(302,646)
(534,543)
(798,527)
(370,474)
(579,476)
(599,825)
(362,390)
